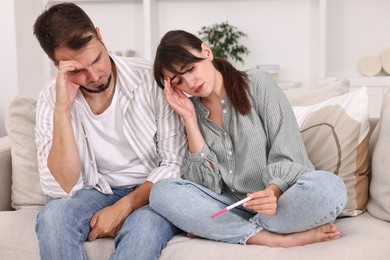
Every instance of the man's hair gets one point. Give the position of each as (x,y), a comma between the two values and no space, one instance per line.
(63,25)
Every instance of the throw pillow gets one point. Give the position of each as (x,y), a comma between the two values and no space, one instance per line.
(335,133)
(20,126)
(379,203)
(311,96)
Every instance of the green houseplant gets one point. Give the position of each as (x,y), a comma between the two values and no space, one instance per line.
(224,41)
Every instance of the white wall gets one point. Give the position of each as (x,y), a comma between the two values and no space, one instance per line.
(8,67)
(356,28)
(120,23)
(279,31)
(30,58)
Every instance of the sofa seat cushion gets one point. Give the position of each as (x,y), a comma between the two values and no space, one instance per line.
(18,240)
(17,235)
(363,237)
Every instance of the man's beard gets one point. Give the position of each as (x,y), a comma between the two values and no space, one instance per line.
(99,89)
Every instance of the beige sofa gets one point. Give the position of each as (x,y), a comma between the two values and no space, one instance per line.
(365,234)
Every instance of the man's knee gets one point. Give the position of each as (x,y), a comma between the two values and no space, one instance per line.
(55,215)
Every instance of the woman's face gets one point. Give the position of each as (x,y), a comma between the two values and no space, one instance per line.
(197,79)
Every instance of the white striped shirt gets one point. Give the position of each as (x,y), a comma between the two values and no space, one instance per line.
(251,151)
(153,130)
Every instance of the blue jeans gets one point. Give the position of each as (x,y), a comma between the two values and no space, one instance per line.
(316,198)
(63,226)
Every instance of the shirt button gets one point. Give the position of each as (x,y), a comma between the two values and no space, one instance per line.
(230,171)
(224,133)
(202,154)
(224,111)
(230,153)
(232,190)
(91,162)
(223,101)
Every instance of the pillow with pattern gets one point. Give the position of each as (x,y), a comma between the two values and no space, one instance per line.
(335,133)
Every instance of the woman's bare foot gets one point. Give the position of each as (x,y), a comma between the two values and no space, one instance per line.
(319,234)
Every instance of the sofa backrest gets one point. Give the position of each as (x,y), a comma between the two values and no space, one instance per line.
(379,202)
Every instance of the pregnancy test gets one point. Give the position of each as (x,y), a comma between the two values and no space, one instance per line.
(238,203)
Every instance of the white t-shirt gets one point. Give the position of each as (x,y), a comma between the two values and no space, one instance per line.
(115,159)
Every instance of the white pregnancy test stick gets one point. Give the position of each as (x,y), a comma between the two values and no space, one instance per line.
(238,203)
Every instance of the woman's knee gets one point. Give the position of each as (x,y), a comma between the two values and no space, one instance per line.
(326,185)
(333,182)
(323,180)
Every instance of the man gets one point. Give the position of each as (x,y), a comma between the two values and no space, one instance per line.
(104,135)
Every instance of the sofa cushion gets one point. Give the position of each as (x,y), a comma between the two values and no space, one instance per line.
(311,96)
(362,238)
(20,126)
(335,133)
(379,203)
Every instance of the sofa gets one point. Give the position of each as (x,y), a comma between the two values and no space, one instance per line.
(361,157)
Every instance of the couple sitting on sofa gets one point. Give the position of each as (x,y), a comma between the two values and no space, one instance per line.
(110,141)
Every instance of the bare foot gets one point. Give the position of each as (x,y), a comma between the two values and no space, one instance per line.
(319,234)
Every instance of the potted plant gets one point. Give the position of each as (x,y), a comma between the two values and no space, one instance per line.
(223,39)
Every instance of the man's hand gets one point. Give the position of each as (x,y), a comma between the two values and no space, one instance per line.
(106,222)
(66,89)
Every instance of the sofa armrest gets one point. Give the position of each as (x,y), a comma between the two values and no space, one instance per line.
(5,173)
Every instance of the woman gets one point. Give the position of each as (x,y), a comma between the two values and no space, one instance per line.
(244,142)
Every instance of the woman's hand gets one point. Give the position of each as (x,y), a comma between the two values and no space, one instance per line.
(178,100)
(265,201)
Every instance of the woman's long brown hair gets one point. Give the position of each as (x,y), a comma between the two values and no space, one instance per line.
(174,50)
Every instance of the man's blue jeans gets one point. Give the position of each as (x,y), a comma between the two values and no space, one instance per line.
(316,198)
(63,226)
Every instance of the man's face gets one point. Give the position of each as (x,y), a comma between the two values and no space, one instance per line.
(95,74)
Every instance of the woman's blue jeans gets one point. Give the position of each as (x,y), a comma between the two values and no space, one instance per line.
(316,198)
(63,227)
